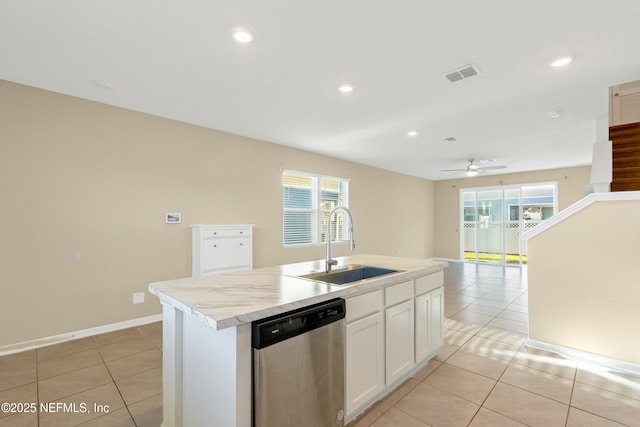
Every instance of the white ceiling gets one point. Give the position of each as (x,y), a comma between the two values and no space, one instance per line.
(177,59)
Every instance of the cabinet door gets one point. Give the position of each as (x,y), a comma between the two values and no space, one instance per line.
(423,327)
(624,103)
(364,370)
(437,318)
(399,340)
(225,253)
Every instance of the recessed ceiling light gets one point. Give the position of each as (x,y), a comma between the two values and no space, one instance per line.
(412,133)
(242,35)
(345,88)
(561,62)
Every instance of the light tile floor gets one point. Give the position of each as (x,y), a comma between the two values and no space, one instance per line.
(483,376)
(108,380)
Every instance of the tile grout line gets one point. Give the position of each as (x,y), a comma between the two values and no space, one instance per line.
(511,361)
(38,386)
(507,366)
(114,383)
(475,335)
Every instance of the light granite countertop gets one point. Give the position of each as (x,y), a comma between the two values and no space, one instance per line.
(231,299)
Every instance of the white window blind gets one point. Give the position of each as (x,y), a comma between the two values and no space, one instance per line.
(307,200)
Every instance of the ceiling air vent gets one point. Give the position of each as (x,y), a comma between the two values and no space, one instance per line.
(465,72)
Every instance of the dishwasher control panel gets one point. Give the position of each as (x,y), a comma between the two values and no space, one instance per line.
(274,329)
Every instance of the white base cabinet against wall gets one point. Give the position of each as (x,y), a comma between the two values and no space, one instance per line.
(390,333)
(221,248)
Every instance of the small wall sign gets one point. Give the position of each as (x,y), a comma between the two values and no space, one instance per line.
(173,218)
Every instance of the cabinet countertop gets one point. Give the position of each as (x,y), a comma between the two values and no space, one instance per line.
(231,299)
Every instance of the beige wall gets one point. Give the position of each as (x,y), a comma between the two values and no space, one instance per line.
(85,187)
(583,281)
(571,188)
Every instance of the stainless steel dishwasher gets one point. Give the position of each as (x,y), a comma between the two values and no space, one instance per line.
(298,367)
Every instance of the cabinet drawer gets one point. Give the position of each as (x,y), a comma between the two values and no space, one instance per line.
(363,305)
(426,283)
(212,234)
(398,293)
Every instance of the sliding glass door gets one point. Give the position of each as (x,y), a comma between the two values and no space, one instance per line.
(493,218)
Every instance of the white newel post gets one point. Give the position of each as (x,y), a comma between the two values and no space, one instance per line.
(602,161)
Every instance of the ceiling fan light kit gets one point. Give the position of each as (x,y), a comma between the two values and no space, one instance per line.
(473,169)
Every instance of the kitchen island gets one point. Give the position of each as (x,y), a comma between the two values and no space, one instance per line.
(207,330)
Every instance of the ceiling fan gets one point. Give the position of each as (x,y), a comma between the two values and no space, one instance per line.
(473,169)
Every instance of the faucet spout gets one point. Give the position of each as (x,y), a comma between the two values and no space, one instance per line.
(352,243)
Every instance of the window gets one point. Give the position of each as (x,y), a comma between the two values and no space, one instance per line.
(307,200)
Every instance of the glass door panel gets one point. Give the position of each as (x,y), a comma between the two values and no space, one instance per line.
(469,222)
(539,203)
(512,226)
(489,235)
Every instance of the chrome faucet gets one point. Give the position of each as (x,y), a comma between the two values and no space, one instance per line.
(352,243)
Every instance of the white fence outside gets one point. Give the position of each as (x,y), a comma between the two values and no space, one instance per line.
(490,236)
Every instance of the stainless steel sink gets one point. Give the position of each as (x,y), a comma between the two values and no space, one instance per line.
(349,274)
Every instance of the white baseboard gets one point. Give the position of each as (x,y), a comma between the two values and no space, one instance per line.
(57,339)
(618,365)
(445,259)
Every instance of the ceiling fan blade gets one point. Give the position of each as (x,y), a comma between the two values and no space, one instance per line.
(472,168)
(491,167)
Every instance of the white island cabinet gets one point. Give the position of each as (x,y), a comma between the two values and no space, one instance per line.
(429,315)
(364,349)
(207,366)
(391,333)
(400,338)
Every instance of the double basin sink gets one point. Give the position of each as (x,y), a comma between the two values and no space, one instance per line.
(349,274)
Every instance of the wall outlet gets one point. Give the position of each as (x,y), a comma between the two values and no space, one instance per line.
(138,297)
